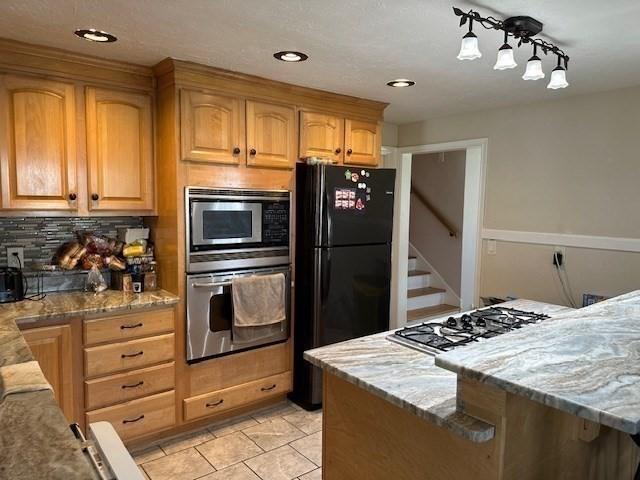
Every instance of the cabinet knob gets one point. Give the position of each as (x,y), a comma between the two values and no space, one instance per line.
(252,151)
(72,197)
(95,197)
(236,151)
(338,150)
(349,152)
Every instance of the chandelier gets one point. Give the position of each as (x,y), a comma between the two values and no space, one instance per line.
(522,29)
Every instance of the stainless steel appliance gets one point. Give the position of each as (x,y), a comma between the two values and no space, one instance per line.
(12,285)
(236,228)
(435,337)
(210,327)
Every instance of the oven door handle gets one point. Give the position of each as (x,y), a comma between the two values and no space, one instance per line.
(210,285)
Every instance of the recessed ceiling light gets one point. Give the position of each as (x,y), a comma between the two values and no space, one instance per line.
(94,35)
(290,56)
(401,82)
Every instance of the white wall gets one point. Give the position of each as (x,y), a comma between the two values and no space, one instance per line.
(440,179)
(565,166)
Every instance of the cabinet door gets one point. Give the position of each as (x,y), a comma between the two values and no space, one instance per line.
(271,131)
(37,144)
(119,150)
(211,128)
(362,143)
(51,347)
(321,136)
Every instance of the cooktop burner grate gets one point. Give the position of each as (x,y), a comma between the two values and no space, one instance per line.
(436,337)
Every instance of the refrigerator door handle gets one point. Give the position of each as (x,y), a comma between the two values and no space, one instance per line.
(317,301)
(326,271)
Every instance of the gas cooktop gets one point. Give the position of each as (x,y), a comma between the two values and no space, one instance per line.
(438,337)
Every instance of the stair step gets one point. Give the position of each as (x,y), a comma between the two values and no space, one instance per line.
(421,292)
(420,313)
(412,262)
(415,273)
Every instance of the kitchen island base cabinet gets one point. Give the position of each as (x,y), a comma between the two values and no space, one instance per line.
(365,436)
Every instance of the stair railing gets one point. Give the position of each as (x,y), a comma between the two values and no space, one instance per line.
(436,213)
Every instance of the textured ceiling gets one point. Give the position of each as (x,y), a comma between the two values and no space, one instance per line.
(355,46)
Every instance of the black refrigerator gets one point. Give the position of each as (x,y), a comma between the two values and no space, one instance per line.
(344,223)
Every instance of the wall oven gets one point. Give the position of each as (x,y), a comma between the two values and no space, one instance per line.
(236,228)
(210,327)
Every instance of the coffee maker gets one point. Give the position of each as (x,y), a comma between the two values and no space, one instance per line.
(12,286)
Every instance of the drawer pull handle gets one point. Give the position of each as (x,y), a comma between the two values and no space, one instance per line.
(215,404)
(135,385)
(135,325)
(133,420)
(130,355)
(267,389)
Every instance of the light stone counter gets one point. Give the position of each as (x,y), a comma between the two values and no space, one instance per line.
(585,362)
(409,378)
(35,440)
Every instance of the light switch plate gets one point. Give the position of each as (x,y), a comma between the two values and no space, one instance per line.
(491,247)
(12,261)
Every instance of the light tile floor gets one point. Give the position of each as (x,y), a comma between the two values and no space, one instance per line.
(283,442)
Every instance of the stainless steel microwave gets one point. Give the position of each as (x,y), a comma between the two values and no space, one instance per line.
(236,228)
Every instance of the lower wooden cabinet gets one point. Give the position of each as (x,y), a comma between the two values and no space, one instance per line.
(51,347)
(122,387)
(138,417)
(235,397)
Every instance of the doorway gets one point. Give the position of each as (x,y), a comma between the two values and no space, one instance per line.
(472,219)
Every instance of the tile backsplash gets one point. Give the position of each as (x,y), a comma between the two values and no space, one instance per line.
(41,236)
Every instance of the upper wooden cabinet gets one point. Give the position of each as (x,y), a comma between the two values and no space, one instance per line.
(38,144)
(51,347)
(211,127)
(362,142)
(271,135)
(119,150)
(321,135)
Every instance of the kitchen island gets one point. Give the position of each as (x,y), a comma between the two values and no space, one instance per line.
(35,439)
(555,400)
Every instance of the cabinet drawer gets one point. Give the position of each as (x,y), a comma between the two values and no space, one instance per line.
(126,327)
(117,357)
(122,387)
(138,417)
(234,397)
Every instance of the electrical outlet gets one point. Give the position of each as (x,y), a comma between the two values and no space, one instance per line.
(15,257)
(559,256)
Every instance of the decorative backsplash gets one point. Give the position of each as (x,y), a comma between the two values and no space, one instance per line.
(41,236)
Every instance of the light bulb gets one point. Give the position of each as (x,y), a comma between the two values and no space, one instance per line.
(505,58)
(469,47)
(534,69)
(558,78)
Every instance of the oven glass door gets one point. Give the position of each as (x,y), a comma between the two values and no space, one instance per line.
(226,223)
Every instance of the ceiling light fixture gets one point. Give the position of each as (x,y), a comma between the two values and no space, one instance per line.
(534,67)
(505,59)
(93,35)
(401,83)
(469,46)
(523,29)
(290,56)
(558,77)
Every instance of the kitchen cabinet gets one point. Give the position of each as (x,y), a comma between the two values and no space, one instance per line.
(211,127)
(38,144)
(344,140)
(271,135)
(362,143)
(321,135)
(51,347)
(119,150)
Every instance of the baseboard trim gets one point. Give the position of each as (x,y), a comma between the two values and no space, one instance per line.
(619,244)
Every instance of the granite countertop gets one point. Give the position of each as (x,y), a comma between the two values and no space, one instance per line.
(409,378)
(35,439)
(585,362)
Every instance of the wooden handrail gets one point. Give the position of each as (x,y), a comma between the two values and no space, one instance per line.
(436,213)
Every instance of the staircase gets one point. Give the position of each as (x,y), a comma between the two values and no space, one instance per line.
(427,296)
